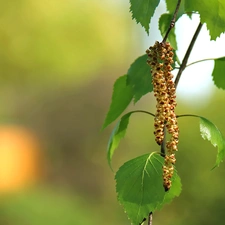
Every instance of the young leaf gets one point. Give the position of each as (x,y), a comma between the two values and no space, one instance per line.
(139,77)
(164,23)
(211,133)
(211,13)
(117,134)
(121,98)
(218,73)
(142,11)
(139,186)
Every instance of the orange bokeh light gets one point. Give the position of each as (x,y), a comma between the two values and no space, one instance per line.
(19,158)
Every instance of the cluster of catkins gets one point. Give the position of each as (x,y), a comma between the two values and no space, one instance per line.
(160,58)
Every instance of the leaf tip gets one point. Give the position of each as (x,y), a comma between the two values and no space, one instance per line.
(214,167)
(103,126)
(109,159)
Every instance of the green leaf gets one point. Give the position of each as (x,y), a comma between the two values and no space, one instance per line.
(121,98)
(117,134)
(174,191)
(139,186)
(164,24)
(142,11)
(139,77)
(210,132)
(219,73)
(211,13)
(175,59)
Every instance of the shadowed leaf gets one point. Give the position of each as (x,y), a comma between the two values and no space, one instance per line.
(121,98)
(117,134)
(219,73)
(139,77)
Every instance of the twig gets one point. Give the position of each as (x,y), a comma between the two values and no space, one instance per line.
(183,115)
(163,145)
(187,54)
(142,111)
(150,219)
(202,60)
(172,23)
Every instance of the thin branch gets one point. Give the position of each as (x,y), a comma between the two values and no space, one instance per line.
(172,23)
(143,111)
(188,52)
(202,60)
(183,115)
(163,145)
(150,219)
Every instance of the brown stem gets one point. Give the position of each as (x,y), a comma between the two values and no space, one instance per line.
(142,111)
(163,145)
(187,54)
(172,23)
(150,219)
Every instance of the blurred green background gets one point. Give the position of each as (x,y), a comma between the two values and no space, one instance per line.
(58,62)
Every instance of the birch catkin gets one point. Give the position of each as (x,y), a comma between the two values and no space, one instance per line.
(160,59)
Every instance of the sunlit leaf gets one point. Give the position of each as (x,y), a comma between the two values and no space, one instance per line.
(121,98)
(139,77)
(164,24)
(211,13)
(139,186)
(219,73)
(117,134)
(142,11)
(210,132)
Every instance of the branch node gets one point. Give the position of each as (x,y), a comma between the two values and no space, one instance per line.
(172,23)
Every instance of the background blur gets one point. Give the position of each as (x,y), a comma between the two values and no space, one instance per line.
(58,62)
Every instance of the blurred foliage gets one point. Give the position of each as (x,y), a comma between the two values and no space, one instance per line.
(43,40)
(44,206)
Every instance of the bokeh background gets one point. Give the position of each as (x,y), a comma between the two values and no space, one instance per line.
(58,62)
